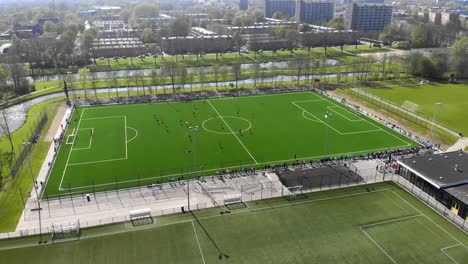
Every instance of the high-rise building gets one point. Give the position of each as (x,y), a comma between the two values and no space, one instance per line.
(368,17)
(286,7)
(243,4)
(305,11)
(309,11)
(364,1)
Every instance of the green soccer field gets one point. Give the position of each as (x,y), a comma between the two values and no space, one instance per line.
(452,96)
(120,146)
(376,224)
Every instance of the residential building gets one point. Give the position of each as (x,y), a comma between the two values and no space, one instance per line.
(243,4)
(310,11)
(286,7)
(368,17)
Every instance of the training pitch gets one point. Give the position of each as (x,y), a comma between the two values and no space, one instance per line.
(119,146)
(378,224)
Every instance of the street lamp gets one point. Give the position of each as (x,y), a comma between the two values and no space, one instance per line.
(194,146)
(35,189)
(325,146)
(435,119)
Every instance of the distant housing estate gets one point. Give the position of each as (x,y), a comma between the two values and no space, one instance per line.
(368,17)
(305,11)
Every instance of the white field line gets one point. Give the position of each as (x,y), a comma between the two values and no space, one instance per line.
(98,161)
(392,221)
(446,254)
(445,231)
(104,117)
(303,114)
(365,120)
(90,139)
(92,162)
(219,215)
(198,242)
(126,141)
(136,134)
(345,117)
(69,153)
(304,110)
(220,116)
(377,244)
(336,130)
(215,169)
(306,101)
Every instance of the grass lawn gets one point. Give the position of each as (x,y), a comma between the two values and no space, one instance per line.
(11,204)
(121,146)
(452,96)
(379,223)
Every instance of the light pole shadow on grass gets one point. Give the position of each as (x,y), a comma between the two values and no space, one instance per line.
(221,254)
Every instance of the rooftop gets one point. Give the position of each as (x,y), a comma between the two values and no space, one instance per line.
(444,170)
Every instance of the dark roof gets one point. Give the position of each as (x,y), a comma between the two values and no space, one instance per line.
(459,192)
(443,170)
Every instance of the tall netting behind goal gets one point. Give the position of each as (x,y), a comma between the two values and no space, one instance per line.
(293,193)
(65,231)
(410,106)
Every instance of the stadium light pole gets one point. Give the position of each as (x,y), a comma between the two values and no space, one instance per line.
(436,118)
(325,146)
(194,144)
(35,189)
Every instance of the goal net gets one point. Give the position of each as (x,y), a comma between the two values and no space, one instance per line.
(65,231)
(293,193)
(410,106)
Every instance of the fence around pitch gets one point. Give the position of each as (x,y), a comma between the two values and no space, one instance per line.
(271,191)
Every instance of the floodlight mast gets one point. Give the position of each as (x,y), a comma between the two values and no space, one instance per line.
(35,189)
(194,145)
(435,119)
(325,146)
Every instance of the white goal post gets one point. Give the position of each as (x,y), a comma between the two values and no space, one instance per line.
(233,199)
(140,214)
(70,230)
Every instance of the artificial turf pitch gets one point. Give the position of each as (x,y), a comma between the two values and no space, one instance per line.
(378,223)
(120,146)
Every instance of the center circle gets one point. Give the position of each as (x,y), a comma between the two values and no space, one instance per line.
(218,125)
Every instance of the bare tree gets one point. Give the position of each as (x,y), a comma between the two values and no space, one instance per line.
(216,74)
(170,69)
(83,75)
(4,126)
(237,70)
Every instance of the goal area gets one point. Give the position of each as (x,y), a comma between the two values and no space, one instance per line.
(71,138)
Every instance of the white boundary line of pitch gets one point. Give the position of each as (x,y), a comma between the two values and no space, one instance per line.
(234,134)
(67,164)
(69,153)
(198,242)
(223,215)
(432,221)
(223,168)
(90,138)
(365,120)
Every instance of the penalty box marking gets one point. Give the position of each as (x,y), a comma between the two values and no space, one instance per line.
(90,138)
(363,227)
(333,128)
(67,164)
(367,121)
